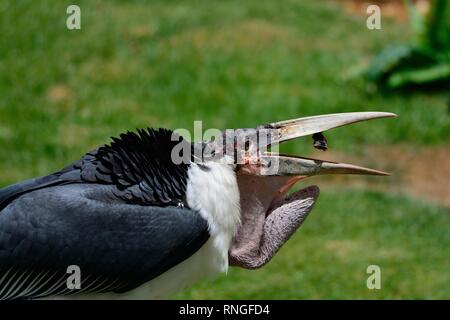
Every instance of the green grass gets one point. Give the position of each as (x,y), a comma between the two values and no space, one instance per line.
(230,64)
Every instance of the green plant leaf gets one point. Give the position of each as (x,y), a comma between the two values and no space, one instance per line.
(398,57)
(417,21)
(437,32)
(440,72)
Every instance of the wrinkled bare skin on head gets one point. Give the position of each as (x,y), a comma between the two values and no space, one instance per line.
(268,217)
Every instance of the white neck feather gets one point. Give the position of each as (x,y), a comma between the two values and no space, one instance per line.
(213,191)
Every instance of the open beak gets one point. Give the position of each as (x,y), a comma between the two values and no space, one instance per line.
(269,215)
(255,159)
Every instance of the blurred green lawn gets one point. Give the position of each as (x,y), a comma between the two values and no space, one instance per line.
(231,64)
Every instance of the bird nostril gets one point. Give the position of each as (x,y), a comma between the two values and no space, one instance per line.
(247,145)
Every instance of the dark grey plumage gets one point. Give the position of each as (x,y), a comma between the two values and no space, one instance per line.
(113,213)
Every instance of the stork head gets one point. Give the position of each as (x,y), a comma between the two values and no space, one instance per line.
(265,177)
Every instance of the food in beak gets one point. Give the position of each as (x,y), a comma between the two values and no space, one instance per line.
(320,142)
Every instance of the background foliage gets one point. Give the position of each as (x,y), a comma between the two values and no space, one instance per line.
(423,62)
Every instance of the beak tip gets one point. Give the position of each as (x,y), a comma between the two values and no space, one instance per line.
(374,172)
(380,114)
(391,115)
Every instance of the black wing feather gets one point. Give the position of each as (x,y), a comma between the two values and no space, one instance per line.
(111,213)
(117,246)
